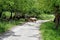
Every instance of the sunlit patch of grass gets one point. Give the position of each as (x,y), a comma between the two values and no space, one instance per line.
(48,31)
(46,16)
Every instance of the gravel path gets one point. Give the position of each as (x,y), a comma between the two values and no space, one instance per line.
(27,31)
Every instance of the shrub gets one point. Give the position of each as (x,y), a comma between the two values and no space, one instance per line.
(6,14)
(48,31)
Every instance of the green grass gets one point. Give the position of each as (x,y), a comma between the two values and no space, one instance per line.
(46,16)
(6,25)
(48,31)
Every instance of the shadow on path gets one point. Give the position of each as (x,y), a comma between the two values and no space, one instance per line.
(7,34)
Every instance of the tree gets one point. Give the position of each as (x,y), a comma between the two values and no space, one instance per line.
(6,5)
(52,6)
(23,6)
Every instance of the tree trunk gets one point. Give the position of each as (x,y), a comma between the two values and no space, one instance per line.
(57,20)
(11,16)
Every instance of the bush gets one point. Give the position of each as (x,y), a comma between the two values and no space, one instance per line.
(6,14)
(3,27)
(6,25)
(49,32)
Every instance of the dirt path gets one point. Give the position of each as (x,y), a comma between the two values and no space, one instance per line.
(27,31)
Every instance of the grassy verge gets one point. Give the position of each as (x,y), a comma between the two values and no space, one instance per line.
(46,16)
(48,31)
(6,25)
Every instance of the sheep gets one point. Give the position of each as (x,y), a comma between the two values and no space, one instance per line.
(32,19)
